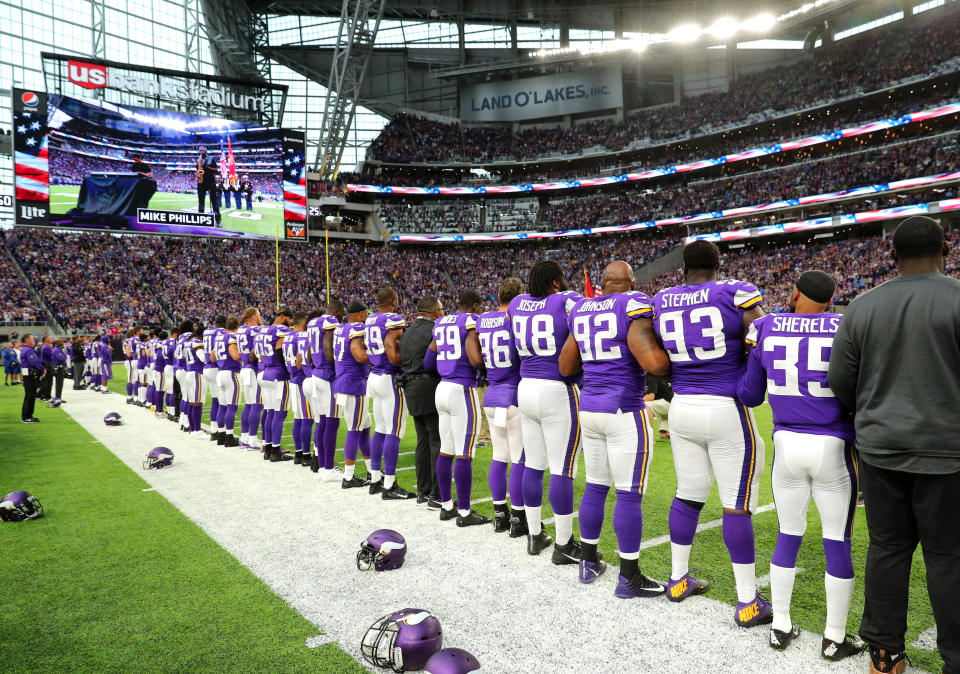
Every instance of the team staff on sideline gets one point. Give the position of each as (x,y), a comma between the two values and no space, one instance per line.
(420,387)
(33,372)
(895,364)
(79,363)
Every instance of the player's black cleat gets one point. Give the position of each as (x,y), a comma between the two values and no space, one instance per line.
(471,520)
(837,651)
(539,543)
(307,460)
(780,640)
(446,515)
(567,554)
(315,464)
(501,518)
(231,440)
(352,483)
(222,438)
(267,452)
(376,487)
(396,493)
(214,437)
(298,458)
(639,586)
(280,454)
(518,523)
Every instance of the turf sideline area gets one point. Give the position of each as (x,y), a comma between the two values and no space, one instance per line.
(301,538)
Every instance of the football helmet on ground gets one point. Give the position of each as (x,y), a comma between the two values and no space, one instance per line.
(382,550)
(451,661)
(403,640)
(112,419)
(20,505)
(159,457)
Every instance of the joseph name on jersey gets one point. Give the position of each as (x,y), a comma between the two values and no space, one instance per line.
(540,329)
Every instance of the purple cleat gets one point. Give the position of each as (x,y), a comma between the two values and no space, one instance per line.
(638,586)
(678,590)
(590,571)
(753,613)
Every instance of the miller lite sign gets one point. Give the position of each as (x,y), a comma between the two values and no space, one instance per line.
(87,75)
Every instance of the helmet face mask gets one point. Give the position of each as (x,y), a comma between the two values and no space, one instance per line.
(159,457)
(18,506)
(402,641)
(382,550)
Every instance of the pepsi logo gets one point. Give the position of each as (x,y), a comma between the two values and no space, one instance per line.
(29,99)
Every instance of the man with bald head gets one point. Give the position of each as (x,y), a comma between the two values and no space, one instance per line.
(612,340)
(813,445)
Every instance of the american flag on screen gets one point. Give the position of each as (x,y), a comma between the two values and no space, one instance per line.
(294,184)
(30,157)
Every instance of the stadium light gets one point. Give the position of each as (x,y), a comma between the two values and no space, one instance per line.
(723,28)
(685,33)
(759,23)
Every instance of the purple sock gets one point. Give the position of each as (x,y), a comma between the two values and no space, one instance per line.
(444,470)
(330,433)
(268,427)
(391,454)
(229,418)
(195,412)
(318,438)
(497,479)
(277,427)
(516,484)
(184,406)
(839,557)
(151,390)
(463,476)
(306,430)
(245,419)
(159,401)
(532,487)
(222,416)
(683,522)
(214,409)
(364,443)
(169,400)
(297,426)
(129,390)
(351,445)
(628,521)
(592,506)
(261,419)
(376,450)
(561,494)
(738,537)
(786,550)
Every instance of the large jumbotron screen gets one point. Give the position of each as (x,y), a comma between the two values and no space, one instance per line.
(89,163)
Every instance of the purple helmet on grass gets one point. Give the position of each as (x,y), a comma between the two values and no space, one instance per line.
(159,457)
(403,640)
(112,419)
(451,661)
(20,505)
(383,550)
(55,402)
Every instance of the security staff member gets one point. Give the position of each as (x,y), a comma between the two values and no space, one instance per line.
(246,189)
(420,388)
(58,360)
(79,363)
(33,372)
(207,182)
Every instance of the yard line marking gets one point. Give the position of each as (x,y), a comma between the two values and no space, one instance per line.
(149,489)
(406,468)
(549,520)
(481,500)
(712,524)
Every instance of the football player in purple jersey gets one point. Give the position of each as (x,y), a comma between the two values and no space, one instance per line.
(159,365)
(129,355)
(194,359)
(813,453)
(702,324)
(252,398)
(180,372)
(455,355)
(140,348)
(301,406)
(549,406)
(106,362)
(210,373)
(383,331)
(352,367)
(503,417)
(151,372)
(227,356)
(320,337)
(168,347)
(612,339)
(275,383)
(302,401)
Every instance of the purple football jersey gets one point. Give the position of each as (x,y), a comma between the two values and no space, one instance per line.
(291,348)
(266,341)
(141,352)
(540,329)
(316,329)
(701,327)
(209,335)
(179,359)
(500,358)
(221,351)
(303,348)
(377,327)
(612,378)
(193,354)
(450,333)
(351,376)
(789,361)
(245,336)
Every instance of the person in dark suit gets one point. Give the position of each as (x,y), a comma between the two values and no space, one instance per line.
(420,387)
(46,357)
(33,374)
(246,189)
(207,172)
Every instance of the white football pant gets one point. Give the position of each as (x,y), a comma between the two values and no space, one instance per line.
(549,417)
(459,410)
(389,405)
(617,449)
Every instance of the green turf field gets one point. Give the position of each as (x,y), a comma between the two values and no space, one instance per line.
(64,197)
(133,578)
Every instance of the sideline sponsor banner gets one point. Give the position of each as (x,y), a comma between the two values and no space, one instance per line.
(545,96)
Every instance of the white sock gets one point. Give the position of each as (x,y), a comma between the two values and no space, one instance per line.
(388,481)
(447,505)
(463,513)
(680,560)
(781,590)
(213,427)
(839,592)
(746,578)
(374,475)
(533,519)
(348,471)
(243,438)
(564,526)
(369,465)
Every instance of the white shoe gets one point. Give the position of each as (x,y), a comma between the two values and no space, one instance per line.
(332,475)
(198,435)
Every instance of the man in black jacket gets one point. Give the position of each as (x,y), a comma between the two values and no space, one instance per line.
(207,172)
(420,388)
(79,363)
(895,364)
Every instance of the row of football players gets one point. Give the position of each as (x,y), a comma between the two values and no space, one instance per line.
(534,350)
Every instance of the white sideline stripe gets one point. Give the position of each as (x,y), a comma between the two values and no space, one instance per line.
(481,500)
(712,524)
(571,619)
(319,640)
(149,489)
